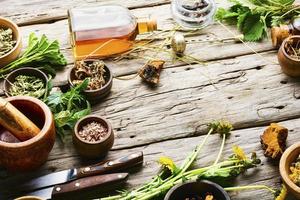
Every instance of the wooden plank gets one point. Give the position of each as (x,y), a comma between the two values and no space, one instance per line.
(63,157)
(201,51)
(245,90)
(43,11)
(248,91)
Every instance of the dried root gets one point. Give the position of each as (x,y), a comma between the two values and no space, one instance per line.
(273,140)
(151,71)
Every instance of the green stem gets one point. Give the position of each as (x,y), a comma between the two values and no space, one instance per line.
(187,163)
(291,10)
(250,187)
(221,149)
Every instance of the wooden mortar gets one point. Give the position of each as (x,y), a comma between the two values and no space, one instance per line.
(16,122)
(32,153)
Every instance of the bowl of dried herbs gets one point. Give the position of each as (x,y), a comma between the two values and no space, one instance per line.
(10,41)
(26,81)
(93,136)
(289,56)
(99,75)
(289,168)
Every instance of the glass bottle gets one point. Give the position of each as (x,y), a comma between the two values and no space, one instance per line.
(104,31)
(280,33)
(193,13)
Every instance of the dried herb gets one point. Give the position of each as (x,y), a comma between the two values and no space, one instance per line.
(295,169)
(194,5)
(7,42)
(150,73)
(293,48)
(93,70)
(93,132)
(273,140)
(68,107)
(207,196)
(253,17)
(28,86)
(40,53)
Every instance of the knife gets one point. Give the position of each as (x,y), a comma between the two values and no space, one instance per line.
(72,189)
(76,173)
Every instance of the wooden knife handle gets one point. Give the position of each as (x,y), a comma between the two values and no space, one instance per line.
(111,166)
(88,183)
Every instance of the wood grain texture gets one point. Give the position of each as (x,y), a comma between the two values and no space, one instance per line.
(202,51)
(44,11)
(233,84)
(266,173)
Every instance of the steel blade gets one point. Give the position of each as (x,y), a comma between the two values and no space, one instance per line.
(49,180)
(43,193)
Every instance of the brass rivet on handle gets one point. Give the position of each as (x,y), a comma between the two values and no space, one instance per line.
(110,163)
(87,169)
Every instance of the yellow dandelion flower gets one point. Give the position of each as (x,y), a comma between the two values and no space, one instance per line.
(168,163)
(239,152)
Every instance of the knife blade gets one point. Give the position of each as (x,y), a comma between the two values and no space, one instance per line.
(71,189)
(73,174)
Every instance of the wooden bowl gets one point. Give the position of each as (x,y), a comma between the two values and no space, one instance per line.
(193,188)
(32,153)
(289,156)
(14,52)
(29,198)
(289,65)
(23,71)
(93,149)
(94,96)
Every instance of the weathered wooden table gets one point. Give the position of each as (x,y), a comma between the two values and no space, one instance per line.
(233,84)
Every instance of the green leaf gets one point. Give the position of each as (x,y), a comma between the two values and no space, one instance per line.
(38,51)
(226,15)
(241,20)
(253,28)
(68,107)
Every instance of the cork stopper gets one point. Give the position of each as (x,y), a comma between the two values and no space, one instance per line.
(146,25)
(152,24)
(278,34)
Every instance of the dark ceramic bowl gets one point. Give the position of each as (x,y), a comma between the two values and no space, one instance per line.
(93,149)
(94,96)
(196,188)
(23,71)
(289,65)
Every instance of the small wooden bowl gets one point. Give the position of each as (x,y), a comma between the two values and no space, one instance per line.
(14,52)
(289,156)
(94,96)
(93,149)
(32,153)
(23,71)
(29,198)
(289,65)
(184,190)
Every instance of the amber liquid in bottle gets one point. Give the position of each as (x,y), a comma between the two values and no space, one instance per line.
(108,47)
